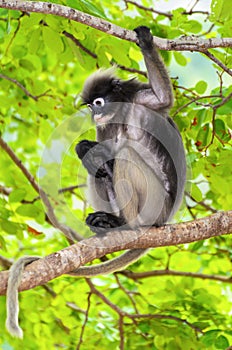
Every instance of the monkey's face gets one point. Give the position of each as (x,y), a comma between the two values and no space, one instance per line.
(103,110)
(104,94)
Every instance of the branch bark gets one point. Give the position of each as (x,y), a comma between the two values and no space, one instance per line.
(68,259)
(182,44)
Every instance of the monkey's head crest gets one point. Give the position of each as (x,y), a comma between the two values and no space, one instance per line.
(99,84)
(105,84)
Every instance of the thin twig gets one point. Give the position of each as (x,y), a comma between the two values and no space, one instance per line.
(122,313)
(127,292)
(16,82)
(215,60)
(85,321)
(150,9)
(202,203)
(69,233)
(157,273)
(79,44)
(121,332)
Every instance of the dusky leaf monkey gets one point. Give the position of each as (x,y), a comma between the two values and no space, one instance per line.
(136,167)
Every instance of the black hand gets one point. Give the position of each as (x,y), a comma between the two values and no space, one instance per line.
(145,37)
(96,158)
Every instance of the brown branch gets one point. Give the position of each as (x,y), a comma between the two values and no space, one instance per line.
(85,322)
(93,55)
(197,98)
(223,101)
(166,14)
(157,273)
(71,258)
(105,299)
(19,164)
(127,292)
(202,203)
(167,317)
(182,44)
(4,262)
(123,314)
(149,9)
(132,70)
(68,232)
(79,44)
(16,82)
(215,60)
(4,190)
(71,188)
(121,332)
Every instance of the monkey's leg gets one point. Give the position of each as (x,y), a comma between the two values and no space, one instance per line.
(96,158)
(101,222)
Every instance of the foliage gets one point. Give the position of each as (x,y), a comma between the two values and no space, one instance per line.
(41,74)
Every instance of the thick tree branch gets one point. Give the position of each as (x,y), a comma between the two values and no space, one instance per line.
(69,259)
(182,44)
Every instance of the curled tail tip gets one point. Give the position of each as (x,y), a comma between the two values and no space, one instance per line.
(14,330)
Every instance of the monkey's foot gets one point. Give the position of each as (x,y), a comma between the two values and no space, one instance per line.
(100,222)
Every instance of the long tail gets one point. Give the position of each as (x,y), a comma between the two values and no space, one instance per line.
(12,304)
(110,266)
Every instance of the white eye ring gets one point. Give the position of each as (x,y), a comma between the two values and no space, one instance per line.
(99,102)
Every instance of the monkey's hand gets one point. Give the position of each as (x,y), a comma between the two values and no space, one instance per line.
(145,38)
(96,158)
(101,222)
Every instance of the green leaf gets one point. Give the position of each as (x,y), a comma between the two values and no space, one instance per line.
(53,40)
(209,337)
(34,42)
(196,246)
(19,51)
(203,136)
(4,212)
(29,210)
(221,130)
(180,58)
(192,26)
(3,244)
(88,7)
(9,227)
(196,193)
(221,10)
(27,64)
(221,342)
(17,195)
(201,86)
(226,108)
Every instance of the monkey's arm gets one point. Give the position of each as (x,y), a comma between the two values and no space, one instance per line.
(159,96)
(96,158)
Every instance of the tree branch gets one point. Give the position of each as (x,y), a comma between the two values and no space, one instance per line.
(156,273)
(217,61)
(71,258)
(183,44)
(68,232)
(16,82)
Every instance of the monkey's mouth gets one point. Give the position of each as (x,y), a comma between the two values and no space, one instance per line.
(102,118)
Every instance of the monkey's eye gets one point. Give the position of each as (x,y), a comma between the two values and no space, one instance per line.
(99,102)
